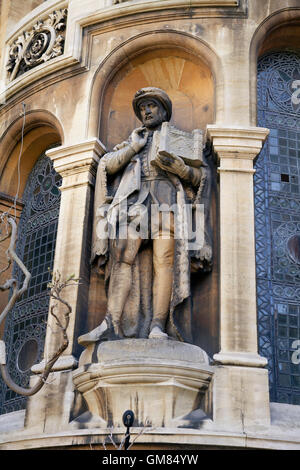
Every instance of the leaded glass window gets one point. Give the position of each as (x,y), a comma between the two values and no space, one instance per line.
(26,324)
(277,219)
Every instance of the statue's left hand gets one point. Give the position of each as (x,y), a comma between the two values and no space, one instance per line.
(171,162)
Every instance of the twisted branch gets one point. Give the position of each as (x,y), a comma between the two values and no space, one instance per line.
(120,446)
(12,256)
(56,288)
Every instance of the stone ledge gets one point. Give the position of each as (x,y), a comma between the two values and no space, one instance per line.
(134,7)
(12,422)
(154,438)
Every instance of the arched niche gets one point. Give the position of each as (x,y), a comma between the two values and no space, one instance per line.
(186,78)
(279,31)
(159,45)
(185,69)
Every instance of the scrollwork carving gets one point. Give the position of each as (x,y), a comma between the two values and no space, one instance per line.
(43,42)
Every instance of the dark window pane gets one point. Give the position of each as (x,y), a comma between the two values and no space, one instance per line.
(277,222)
(36,237)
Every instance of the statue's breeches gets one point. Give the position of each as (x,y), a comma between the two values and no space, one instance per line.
(124,252)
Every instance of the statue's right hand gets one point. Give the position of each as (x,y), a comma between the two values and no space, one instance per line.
(138,139)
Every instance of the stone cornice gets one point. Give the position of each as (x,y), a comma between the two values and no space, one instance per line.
(131,6)
(239,143)
(78,148)
(77,163)
(91,13)
(134,7)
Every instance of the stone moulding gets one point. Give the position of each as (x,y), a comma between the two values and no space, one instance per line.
(43,42)
(63,54)
(195,2)
(130,7)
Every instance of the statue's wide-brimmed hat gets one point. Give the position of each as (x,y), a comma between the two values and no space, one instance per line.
(152,93)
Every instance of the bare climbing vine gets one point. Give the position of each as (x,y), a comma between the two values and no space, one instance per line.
(9,228)
(122,444)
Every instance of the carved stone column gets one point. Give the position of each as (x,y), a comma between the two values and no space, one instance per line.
(241,383)
(77,164)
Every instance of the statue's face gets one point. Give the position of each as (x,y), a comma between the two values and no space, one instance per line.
(152,113)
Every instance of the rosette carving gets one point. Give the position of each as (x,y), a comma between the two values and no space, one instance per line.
(43,42)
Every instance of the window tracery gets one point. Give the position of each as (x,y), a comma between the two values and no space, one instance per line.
(277,201)
(26,325)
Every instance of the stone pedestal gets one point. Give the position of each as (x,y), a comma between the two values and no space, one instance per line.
(159,380)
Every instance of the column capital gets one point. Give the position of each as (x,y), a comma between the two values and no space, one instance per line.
(239,143)
(77,163)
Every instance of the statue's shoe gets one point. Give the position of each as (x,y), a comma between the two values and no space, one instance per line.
(94,335)
(156,332)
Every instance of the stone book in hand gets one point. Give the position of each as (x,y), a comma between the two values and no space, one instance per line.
(170,140)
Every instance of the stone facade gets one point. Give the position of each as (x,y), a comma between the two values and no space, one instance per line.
(76,65)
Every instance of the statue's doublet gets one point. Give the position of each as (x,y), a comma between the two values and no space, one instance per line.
(156,187)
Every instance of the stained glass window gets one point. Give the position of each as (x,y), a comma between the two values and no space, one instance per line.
(277,219)
(26,324)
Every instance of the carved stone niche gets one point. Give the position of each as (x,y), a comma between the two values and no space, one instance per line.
(164,382)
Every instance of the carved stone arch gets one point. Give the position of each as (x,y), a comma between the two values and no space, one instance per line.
(42,129)
(123,58)
(269,36)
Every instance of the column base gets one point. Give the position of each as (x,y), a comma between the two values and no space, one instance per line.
(236,358)
(241,398)
(49,411)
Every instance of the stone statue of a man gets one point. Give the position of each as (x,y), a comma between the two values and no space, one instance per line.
(148,274)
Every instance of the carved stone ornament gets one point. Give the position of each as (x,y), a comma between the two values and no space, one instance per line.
(42,43)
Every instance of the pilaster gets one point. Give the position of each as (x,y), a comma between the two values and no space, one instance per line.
(77,164)
(242,369)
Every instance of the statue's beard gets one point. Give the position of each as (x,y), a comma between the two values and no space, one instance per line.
(152,123)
